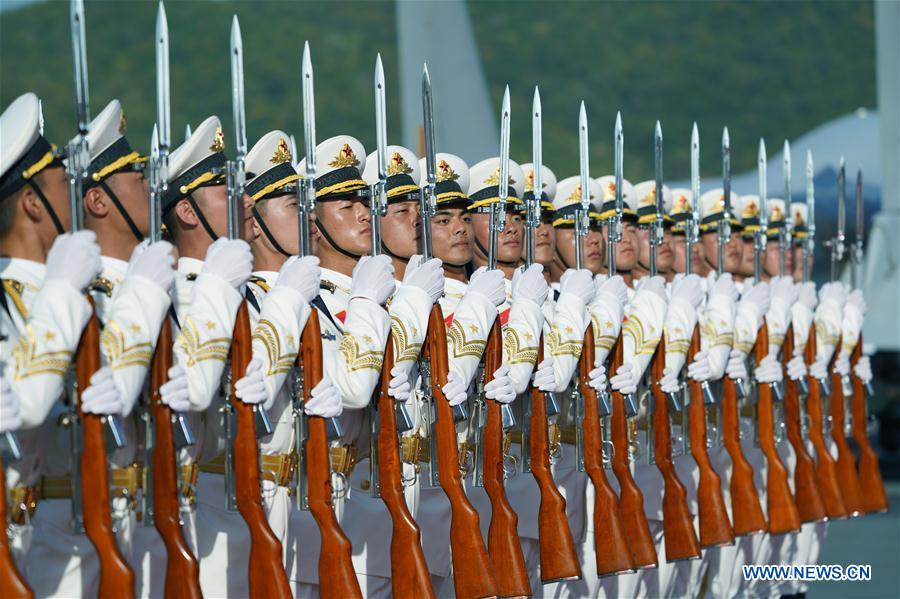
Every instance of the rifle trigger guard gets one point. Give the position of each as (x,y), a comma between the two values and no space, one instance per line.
(338,486)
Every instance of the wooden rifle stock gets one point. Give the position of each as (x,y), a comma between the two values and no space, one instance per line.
(559,561)
(746,511)
(12,584)
(809,498)
(848,481)
(873,493)
(473,574)
(715,529)
(409,571)
(782,511)
(337,578)
(503,538)
(826,470)
(182,570)
(267,577)
(611,544)
(678,525)
(631,500)
(116,577)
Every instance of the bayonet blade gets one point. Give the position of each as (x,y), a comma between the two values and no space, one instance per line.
(428,122)
(79,53)
(842,182)
(619,137)
(762,164)
(860,223)
(504,150)
(695,174)
(810,196)
(237,88)
(537,149)
(726,172)
(787,176)
(380,121)
(658,169)
(584,160)
(309,113)
(162,80)
(187,132)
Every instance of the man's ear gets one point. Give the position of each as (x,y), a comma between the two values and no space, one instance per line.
(31,203)
(95,202)
(185,213)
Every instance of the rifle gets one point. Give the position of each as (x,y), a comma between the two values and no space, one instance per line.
(782,511)
(12,583)
(473,574)
(746,511)
(846,462)
(409,571)
(163,507)
(873,495)
(559,560)
(337,578)
(503,539)
(631,500)
(267,577)
(89,463)
(678,525)
(809,499)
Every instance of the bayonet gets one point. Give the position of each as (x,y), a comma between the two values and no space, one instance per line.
(378,202)
(656,223)
(187,132)
(723,227)
(307,189)
(837,244)
(428,202)
(692,229)
(582,219)
(809,245)
(784,240)
(533,206)
(759,236)
(614,224)
(79,157)
(498,210)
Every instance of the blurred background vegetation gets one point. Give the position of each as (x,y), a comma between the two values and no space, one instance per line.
(770,68)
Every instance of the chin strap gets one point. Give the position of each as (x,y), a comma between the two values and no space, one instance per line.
(115,200)
(56,222)
(561,259)
(499,261)
(389,252)
(203,221)
(267,232)
(333,243)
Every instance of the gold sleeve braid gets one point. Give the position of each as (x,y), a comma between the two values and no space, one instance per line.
(29,362)
(267,334)
(557,347)
(13,290)
(197,351)
(675,343)
(602,340)
(461,345)
(118,353)
(404,350)
(517,352)
(634,328)
(356,359)
(824,336)
(714,337)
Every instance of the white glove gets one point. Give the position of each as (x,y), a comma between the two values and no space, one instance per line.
(544,377)
(303,275)
(501,388)
(102,397)
(855,298)
(74,258)
(807,295)
(842,364)
(700,369)
(796,368)
(725,286)
(251,389)
(833,292)
(769,370)
(669,382)
(863,369)
(154,261)
(819,369)
(398,387)
(373,279)
(688,289)
(615,286)
(454,390)
(324,400)
(737,365)
(175,393)
(579,283)
(427,276)
(757,294)
(230,260)
(530,284)
(489,284)
(655,285)
(783,288)
(625,379)
(597,378)
(10,418)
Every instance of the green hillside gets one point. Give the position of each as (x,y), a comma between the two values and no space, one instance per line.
(763,68)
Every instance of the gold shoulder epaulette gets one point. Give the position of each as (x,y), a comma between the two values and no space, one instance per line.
(328,286)
(259,282)
(102,285)
(14,290)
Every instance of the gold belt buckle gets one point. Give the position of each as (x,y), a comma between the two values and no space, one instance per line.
(343,459)
(24,503)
